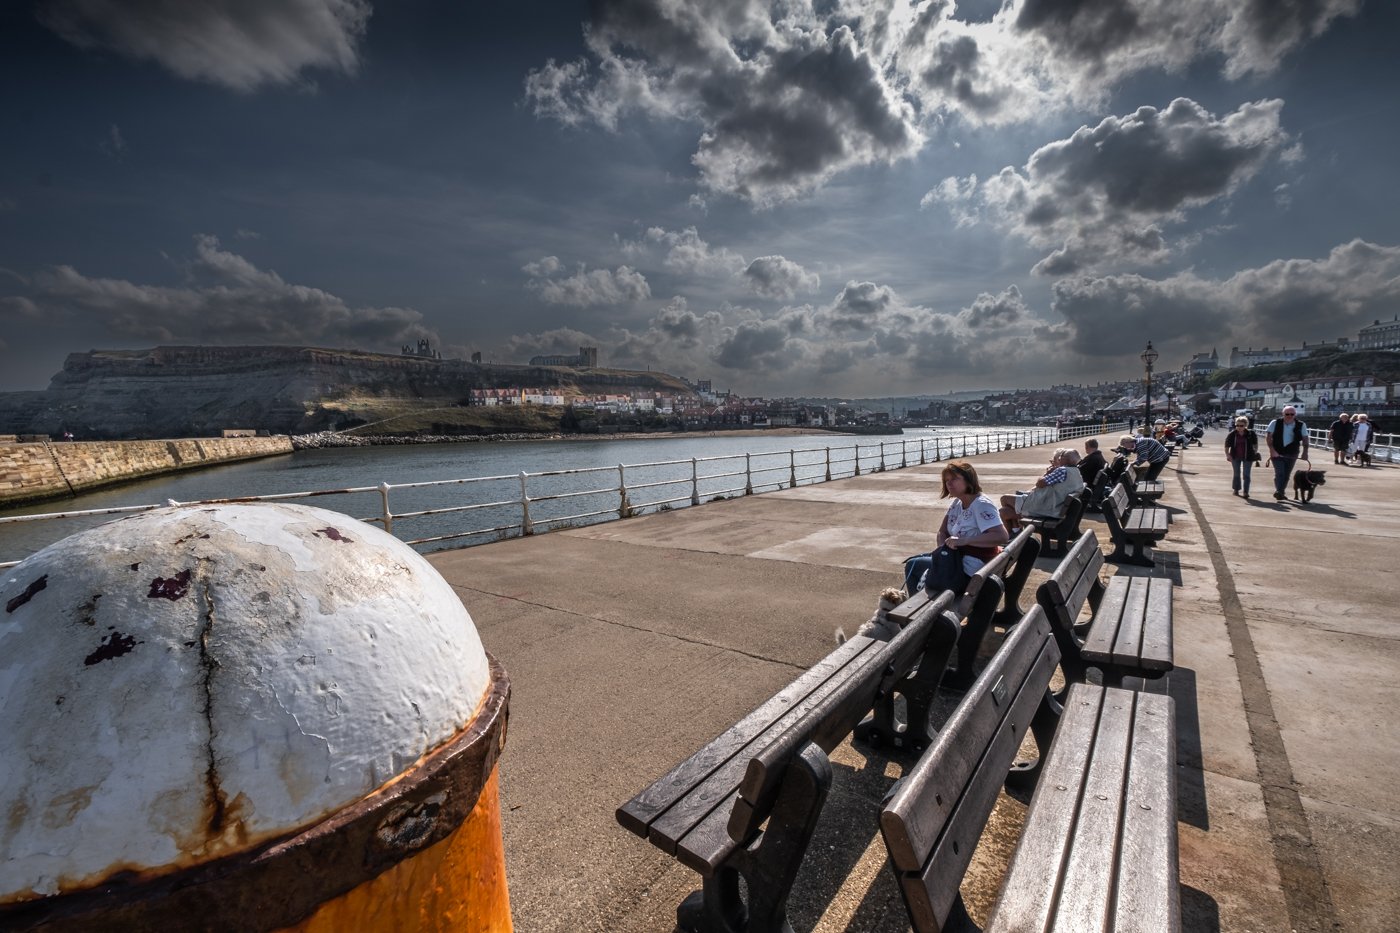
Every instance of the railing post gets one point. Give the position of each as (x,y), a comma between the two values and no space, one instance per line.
(388,516)
(748,474)
(923,451)
(624,508)
(527,527)
(903,453)
(828,463)
(694,482)
(882,456)
(857,449)
(792,469)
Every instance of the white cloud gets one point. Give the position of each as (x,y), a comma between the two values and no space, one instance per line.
(1107,193)
(240,44)
(688,254)
(1284,301)
(585,287)
(229,300)
(780,278)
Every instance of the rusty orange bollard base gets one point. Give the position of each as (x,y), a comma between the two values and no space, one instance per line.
(458,883)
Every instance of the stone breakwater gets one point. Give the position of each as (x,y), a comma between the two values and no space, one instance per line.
(325,439)
(38,471)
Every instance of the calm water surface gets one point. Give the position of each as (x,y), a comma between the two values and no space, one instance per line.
(369,466)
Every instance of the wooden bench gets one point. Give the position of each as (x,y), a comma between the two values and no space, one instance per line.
(746,804)
(1098,848)
(992,597)
(1062,528)
(1141,491)
(1138,528)
(1130,631)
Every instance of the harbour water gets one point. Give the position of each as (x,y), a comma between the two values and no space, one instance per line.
(308,470)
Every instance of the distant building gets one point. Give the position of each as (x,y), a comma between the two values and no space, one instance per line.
(1253,357)
(1202,364)
(1380,335)
(587,358)
(476,357)
(424,350)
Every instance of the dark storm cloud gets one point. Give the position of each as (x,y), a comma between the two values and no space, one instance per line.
(782,105)
(1281,302)
(231,301)
(240,44)
(1112,38)
(780,278)
(1101,196)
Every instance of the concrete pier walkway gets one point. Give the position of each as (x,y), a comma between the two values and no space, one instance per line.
(632,643)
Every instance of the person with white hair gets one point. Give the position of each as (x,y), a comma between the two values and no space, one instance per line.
(1287,437)
(1361,437)
(1061,480)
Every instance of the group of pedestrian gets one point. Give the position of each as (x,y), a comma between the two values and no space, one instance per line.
(1286,438)
(1351,439)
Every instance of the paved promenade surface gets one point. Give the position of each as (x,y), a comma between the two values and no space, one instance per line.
(630,644)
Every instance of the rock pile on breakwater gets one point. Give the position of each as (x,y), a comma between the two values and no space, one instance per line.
(323,439)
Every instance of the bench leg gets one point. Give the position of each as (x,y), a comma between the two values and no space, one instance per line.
(770,866)
(1011,613)
(1024,774)
(979,620)
(919,690)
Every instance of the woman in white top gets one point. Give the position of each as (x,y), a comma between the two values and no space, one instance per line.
(1360,438)
(971,526)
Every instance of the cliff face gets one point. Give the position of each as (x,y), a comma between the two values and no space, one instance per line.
(199,391)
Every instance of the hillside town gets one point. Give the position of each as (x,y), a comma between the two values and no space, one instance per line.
(1191,390)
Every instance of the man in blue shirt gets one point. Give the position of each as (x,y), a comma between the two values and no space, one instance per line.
(1287,438)
(1147,451)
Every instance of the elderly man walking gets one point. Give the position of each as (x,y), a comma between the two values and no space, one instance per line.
(1287,438)
(1341,437)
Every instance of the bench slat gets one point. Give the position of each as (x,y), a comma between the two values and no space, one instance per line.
(1033,876)
(1127,647)
(1148,898)
(924,893)
(1157,648)
(1084,901)
(1109,620)
(641,811)
(910,827)
(717,787)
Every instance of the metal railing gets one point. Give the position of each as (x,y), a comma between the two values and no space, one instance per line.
(532,509)
(1384,447)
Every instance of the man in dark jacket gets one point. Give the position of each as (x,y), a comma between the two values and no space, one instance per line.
(1341,437)
(1288,441)
(1092,463)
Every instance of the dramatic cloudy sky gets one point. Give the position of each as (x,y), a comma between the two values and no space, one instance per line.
(794,197)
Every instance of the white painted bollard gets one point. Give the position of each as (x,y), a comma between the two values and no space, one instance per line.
(246,717)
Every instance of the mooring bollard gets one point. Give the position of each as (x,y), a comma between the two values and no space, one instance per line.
(246,717)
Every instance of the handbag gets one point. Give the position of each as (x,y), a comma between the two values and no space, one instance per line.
(946,572)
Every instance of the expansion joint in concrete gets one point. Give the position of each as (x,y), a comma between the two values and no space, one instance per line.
(1305,890)
(639,628)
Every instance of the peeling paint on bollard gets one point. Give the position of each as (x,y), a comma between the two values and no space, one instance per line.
(283,718)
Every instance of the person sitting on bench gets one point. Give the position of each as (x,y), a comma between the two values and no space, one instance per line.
(1047,500)
(971,525)
(1147,451)
(1092,463)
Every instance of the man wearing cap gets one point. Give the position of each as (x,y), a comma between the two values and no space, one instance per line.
(1147,451)
(1287,438)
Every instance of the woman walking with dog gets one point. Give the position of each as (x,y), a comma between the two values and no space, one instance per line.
(1242,450)
(1360,449)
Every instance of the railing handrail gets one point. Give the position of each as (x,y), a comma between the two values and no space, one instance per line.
(876,456)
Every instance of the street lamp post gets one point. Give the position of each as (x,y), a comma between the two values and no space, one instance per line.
(1148,357)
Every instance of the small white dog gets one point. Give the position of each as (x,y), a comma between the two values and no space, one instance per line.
(880,626)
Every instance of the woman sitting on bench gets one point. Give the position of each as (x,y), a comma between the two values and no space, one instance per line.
(971,526)
(1047,500)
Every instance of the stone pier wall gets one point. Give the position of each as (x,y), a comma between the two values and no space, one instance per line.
(32,472)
